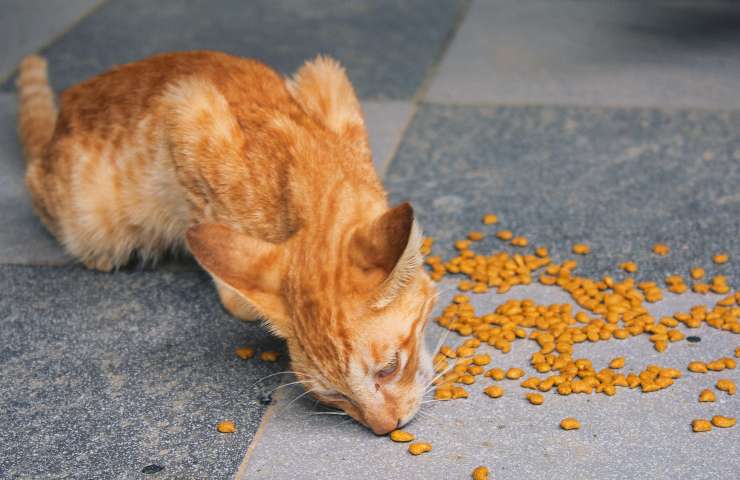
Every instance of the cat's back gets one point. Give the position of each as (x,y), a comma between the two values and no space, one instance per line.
(126,92)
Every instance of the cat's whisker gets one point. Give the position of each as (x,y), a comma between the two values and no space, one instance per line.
(272,375)
(285,408)
(328,413)
(287,385)
(430,386)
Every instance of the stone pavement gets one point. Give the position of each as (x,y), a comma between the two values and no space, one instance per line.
(612,123)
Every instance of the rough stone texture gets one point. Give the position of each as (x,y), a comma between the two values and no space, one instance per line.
(617,179)
(630,435)
(627,53)
(26,25)
(104,374)
(385,124)
(387,46)
(23,240)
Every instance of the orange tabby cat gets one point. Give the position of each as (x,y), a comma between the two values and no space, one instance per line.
(269,183)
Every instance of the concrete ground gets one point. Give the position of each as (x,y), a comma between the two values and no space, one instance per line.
(616,124)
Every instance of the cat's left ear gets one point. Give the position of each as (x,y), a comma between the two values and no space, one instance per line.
(321,87)
(388,248)
(252,267)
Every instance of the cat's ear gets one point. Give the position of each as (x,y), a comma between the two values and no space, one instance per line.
(388,248)
(251,267)
(325,93)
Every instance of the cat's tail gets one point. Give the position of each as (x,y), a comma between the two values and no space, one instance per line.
(37,113)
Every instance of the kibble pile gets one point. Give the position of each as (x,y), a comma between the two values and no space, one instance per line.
(611,310)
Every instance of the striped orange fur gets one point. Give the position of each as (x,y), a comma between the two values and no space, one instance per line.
(269,183)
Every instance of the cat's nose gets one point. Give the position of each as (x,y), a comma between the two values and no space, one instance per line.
(383,426)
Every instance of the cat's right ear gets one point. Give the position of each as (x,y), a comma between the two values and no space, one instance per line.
(253,268)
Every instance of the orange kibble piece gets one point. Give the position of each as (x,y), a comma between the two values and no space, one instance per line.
(520,241)
(245,353)
(476,236)
(504,235)
(269,356)
(629,267)
(535,398)
(480,473)
(490,219)
(701,425)
(661,249)
(720,258)
(617,363)
(570,423)
(581,249)
(494,391)
(707,395)
(227,426)
(698,367)
(697,273)
(541,252)
(514,373)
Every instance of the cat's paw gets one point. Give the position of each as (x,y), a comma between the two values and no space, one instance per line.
(100,264)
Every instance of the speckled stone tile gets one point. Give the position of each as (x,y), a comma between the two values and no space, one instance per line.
(104,374)
(23,239)
(27,25)
(615,53)
(619,180)
(387,46)
(385,124)
(630,435)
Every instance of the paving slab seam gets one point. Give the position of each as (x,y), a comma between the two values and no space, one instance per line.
(421,92)
(507,103)
(53,39)
(242,471)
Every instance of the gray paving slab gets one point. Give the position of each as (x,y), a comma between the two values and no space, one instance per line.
(631,435)
(386,121)
(27,25)
(630,53)
(619,180)
(387,46)
(104,374)
(23,240)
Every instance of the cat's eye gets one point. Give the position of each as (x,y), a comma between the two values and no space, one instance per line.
(389,369)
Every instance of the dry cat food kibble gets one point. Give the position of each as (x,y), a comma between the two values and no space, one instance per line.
(480,473)
(245,353)
(726,385)
(661,249)
(419,448)
(723,422)
(701,425)
(490,219)
(721,258)
(570,423)
(269,356)
(494,391)
(707,395)
(401,436)
(227,426)
(606,309)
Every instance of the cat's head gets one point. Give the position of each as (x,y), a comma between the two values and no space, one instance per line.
(353,311)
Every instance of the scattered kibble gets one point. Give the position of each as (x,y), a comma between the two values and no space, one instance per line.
(723,422)
(661,249)
(480,473)
(535,398)
(494,391)
(514,373)
(504,235)
(581,249)
(726,385)
(476,236)
(419,448)
(629,267)
(520,241)
(697,273)
(401,437)
(707,395)
(490,219)
(720,258)
(701,425)
(617,363)
(269,356)
(570,423)
(698,367)
(227,426)
(245,353)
